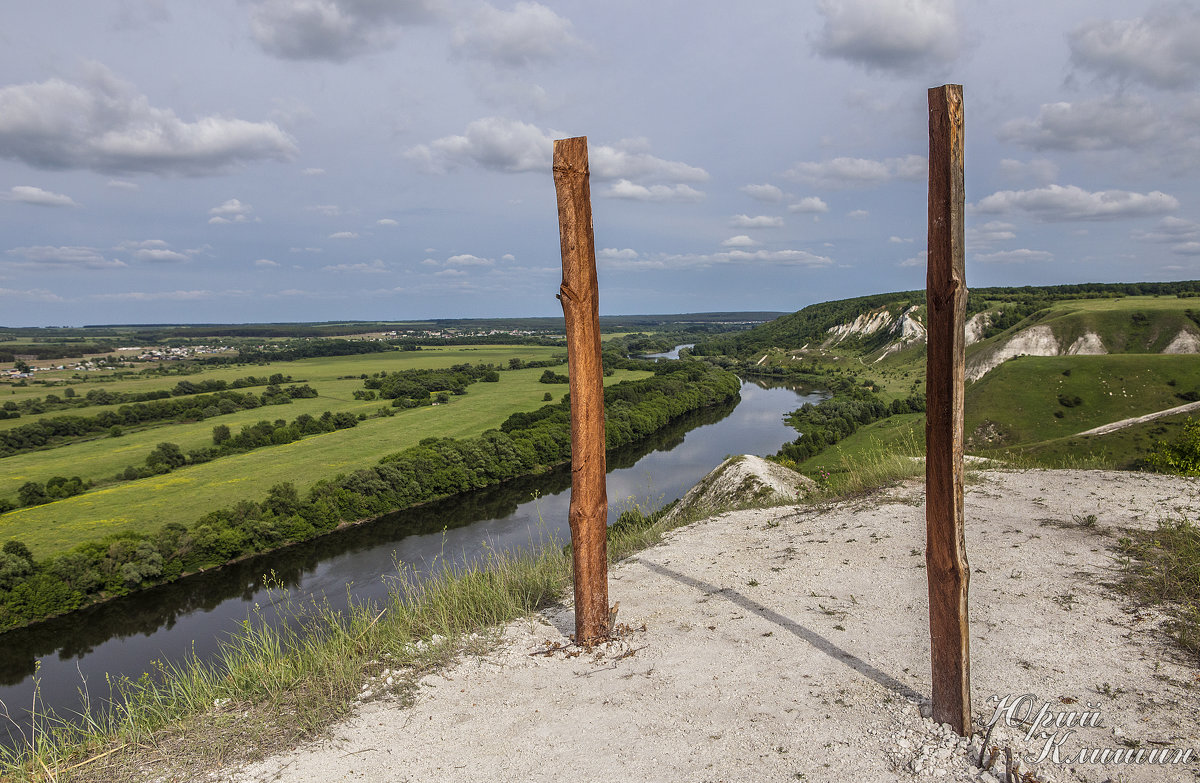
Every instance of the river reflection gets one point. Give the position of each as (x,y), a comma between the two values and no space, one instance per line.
(193,615)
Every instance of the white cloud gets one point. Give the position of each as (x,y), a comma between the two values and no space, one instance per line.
(768,193)
(512,146)
(900,240)
(328,210)
(312,172)
(665,261)
(859,172)
(508,257)
(27,194)
(1107,123)
(811,204)
(66,257)
(623,188)
(156,250)
(344,235)
(334,30)
(1161,49)
(104,125)
(858,214)
(159,255)
(450,273)
(1182,235)
(529,33)
(894,35)
(1038,170)
(120,184)
(32,295)
(613,254)
(374,267)
(386,222)
(757,221)
(466,259)
(920,259)
(154,296)
(1021,256)
(1058,203)
(627,160)
(992,231)
(741,240)
(266,263)
(232,211)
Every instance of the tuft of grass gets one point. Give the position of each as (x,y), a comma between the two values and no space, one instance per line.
(869,470)
(1163,567)
(272,686)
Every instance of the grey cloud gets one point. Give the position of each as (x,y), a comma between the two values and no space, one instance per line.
(529,33)
(1058,203)
(1161,49)
(103,124)
(891,35)
(1038,170)
(334,30)
(1107,123)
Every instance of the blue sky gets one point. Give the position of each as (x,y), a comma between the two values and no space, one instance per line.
(297,160)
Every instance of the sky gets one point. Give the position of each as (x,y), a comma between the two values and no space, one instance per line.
(316,160)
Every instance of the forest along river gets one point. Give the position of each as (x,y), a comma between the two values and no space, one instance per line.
(192,615)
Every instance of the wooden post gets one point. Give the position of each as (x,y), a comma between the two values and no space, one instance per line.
(946,295)
(588,513)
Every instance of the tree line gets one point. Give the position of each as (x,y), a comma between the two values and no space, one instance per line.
(72,400)
(47,431)
(436,467)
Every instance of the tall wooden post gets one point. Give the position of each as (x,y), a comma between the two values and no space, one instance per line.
(588,513)
(946,549)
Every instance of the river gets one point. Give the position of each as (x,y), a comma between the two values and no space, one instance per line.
(192,615)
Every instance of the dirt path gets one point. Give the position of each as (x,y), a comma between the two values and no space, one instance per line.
(792,644)
(1104,429)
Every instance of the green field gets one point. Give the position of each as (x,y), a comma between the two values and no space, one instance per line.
(186,493)
(1015,404)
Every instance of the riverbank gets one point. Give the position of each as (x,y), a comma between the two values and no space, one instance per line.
(792,643)
(769,644)
(526,443)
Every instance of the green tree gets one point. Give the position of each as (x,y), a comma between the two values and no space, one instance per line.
(220,434)
(166,456)
(32,493)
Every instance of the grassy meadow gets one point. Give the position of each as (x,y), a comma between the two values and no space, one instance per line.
(186,493)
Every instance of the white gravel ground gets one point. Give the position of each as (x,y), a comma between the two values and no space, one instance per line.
(792,644)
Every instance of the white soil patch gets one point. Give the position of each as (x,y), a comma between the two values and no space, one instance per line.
(1087,344)
(1184,342)
(1034,341)
(1104,429)
(741,481)
(793,644)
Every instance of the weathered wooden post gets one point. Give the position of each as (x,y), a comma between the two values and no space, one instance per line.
(588,513)
(946,295)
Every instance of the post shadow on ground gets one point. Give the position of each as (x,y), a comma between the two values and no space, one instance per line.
(808,635)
